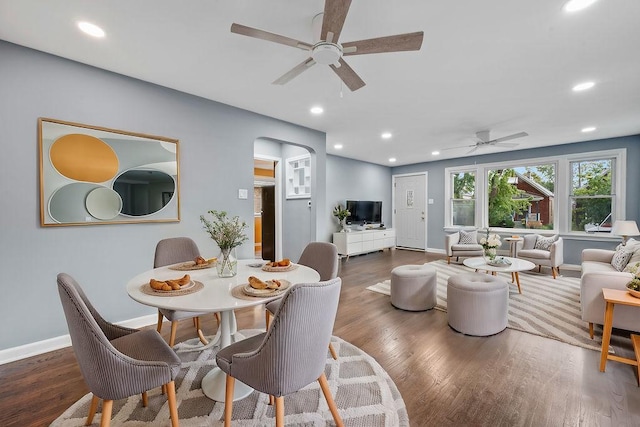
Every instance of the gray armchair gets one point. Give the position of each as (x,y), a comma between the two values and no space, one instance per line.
(323,258)
(116,362)
(172,251)
(456,249)
(553,257)
(291,354)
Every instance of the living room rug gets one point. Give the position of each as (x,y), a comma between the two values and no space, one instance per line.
(547,307)
(364,394)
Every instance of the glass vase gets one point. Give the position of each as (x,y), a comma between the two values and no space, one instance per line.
(490,254)
(227,264)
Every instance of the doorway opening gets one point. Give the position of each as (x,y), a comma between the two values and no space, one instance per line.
(264,208)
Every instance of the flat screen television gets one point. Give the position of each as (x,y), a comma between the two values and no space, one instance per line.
(364,212)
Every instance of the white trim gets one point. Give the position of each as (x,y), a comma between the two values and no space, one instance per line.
(39,347)
(563,185)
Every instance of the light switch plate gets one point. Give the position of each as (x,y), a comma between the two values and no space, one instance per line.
(243,193)
(430,201)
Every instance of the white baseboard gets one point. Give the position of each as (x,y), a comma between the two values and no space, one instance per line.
(33,349)
(436,251)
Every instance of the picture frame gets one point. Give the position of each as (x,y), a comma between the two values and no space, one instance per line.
(96,175)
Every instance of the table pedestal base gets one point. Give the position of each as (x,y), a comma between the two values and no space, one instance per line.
(214,385)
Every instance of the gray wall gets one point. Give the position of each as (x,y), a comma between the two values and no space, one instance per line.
(354,180)
(572,246)
(216,159)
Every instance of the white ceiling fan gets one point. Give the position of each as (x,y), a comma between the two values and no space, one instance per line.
(328,51)
(484,140)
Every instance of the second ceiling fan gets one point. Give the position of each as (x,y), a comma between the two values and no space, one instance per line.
(328,51)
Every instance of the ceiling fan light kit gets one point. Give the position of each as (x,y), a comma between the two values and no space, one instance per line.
(328,51)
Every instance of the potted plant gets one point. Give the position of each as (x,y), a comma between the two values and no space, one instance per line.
(341,213)
(228,233)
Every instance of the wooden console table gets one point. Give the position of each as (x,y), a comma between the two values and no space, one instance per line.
(611,298)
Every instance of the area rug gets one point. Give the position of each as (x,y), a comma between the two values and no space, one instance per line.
(364,394)
(547,307)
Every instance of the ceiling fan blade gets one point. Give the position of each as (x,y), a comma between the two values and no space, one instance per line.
(473,149)
(507,144)
(457,148)
(294,72)
(335,13)
(348,76)
(265,35)
(397,43)
(507,138)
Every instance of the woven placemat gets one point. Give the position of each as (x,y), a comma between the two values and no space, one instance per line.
(188,266)
(147,289)
(237,292)
(279,269)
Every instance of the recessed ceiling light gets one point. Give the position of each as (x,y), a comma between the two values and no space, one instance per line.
(392,159)
(575,5)
(588,129)
(338,146)
(316,110)
(91,29)
(435,153)
(583,86)
(386,135)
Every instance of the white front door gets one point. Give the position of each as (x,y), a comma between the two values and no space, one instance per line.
(410,210)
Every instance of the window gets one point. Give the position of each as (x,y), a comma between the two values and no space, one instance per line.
(463,202)
(574,193)
(592,195)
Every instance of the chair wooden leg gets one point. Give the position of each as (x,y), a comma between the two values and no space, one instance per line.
(591,329)
(333,352)
(539,268)
(217,318)
(145,399)
(107,407)
(267,318)
(280,411)
(448,260)
(160,319)
(272,400)
(163,389)
(228,400)
(195,321)
(173,407)
(324,385)
(92,409)
(172,337)
(553,272)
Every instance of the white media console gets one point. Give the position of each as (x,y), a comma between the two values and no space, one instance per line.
(361,242)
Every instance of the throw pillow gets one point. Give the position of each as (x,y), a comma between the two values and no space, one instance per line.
(468,237)
(544,243)
(621,259)
(635,258)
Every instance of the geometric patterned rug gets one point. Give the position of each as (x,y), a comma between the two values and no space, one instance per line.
(364,394)
(547,307)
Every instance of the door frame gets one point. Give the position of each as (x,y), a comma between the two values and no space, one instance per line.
(278,199)
(426,201)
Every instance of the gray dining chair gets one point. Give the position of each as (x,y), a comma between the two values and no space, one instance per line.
(172,251)
(116,362)
(323,258)
(291,354)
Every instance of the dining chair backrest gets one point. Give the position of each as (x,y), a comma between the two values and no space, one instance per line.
(175,250)
(90,343)
(322,257)
(293,353)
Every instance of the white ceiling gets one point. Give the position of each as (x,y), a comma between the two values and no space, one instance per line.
(503,65)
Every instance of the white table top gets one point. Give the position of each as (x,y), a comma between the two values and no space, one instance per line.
(216,295)
(516,265)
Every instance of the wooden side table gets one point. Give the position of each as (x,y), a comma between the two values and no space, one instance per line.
(611,298)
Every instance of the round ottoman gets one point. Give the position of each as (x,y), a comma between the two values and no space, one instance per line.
(477,303)
(413,287)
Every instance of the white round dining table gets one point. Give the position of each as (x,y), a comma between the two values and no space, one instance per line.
(214,297)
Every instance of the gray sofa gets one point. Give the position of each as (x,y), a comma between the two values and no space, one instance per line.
(598,273)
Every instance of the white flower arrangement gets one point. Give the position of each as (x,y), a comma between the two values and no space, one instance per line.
(490,241)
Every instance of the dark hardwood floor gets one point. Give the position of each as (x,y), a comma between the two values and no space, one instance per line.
(446,378)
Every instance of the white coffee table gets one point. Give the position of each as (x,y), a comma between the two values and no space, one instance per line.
(517,265)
